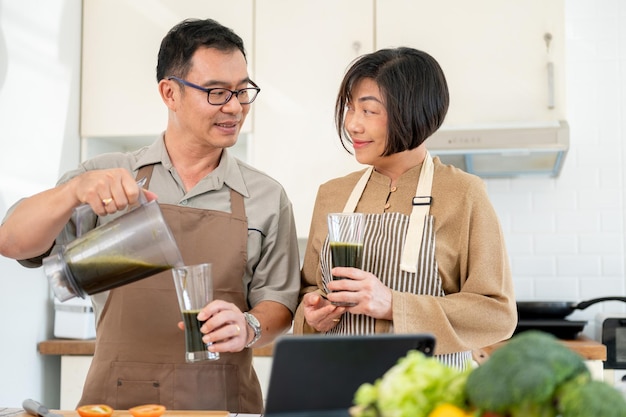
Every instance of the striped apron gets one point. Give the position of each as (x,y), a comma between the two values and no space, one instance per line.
(400,251)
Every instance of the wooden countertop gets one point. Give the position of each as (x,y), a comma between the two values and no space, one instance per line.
(125,413)
(87,347)
(589,349)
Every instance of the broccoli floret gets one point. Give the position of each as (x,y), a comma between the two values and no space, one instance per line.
(521,378)
(593,398)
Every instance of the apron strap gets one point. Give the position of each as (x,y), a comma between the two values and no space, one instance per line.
(354,198)
(421,208)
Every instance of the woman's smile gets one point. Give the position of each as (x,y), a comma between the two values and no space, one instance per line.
(360,143)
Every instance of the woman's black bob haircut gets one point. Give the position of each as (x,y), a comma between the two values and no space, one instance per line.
(413,89)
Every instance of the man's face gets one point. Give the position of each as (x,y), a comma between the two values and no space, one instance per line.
(214,125)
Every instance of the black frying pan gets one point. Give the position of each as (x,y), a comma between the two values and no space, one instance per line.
(555,309)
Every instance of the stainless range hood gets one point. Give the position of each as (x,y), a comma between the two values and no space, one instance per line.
(503,151)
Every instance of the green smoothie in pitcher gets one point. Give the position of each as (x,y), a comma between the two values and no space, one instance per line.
(101,273)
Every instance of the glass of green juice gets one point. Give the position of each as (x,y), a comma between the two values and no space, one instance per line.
(194,287)
(345,237)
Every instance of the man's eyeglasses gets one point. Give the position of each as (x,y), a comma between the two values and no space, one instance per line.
(221,96)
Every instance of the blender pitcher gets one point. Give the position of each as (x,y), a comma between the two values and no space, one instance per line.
(136,245)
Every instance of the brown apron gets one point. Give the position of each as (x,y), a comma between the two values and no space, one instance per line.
(140,351)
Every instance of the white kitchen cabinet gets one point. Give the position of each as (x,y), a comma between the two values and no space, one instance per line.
(120,104)
(493,53)
(499,67)
(302,49)
(73,374)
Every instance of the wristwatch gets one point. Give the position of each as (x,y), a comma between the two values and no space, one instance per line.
(256,327)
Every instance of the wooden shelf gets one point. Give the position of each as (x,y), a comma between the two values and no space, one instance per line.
(67,347)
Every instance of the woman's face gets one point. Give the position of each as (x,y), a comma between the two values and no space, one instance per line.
(366,122)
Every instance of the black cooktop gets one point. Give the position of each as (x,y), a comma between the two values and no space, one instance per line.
(561,328)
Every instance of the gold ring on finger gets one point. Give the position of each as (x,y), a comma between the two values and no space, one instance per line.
(106,201)
(238,328)
(336,320)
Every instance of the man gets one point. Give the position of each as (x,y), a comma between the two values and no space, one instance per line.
(220,210)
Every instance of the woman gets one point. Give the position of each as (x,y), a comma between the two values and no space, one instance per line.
(434,259)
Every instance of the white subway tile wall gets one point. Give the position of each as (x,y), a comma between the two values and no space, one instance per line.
(565,236)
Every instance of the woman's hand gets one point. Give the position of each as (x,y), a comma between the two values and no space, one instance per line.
(319,313)
(370,296)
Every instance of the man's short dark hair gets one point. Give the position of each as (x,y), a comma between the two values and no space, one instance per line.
(184,39)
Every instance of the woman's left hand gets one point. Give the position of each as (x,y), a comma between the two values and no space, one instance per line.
(319,313)
(364,289)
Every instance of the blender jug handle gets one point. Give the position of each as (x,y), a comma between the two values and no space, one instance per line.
(84,209)
(142,196)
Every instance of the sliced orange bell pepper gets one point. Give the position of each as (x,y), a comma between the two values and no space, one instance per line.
(148,410)
(95,410)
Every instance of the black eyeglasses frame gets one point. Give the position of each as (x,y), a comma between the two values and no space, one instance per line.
(231,93)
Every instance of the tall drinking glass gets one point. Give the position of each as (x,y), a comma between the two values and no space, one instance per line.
(345,235)
(194,287)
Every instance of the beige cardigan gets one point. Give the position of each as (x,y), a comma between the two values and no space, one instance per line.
(479,307)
